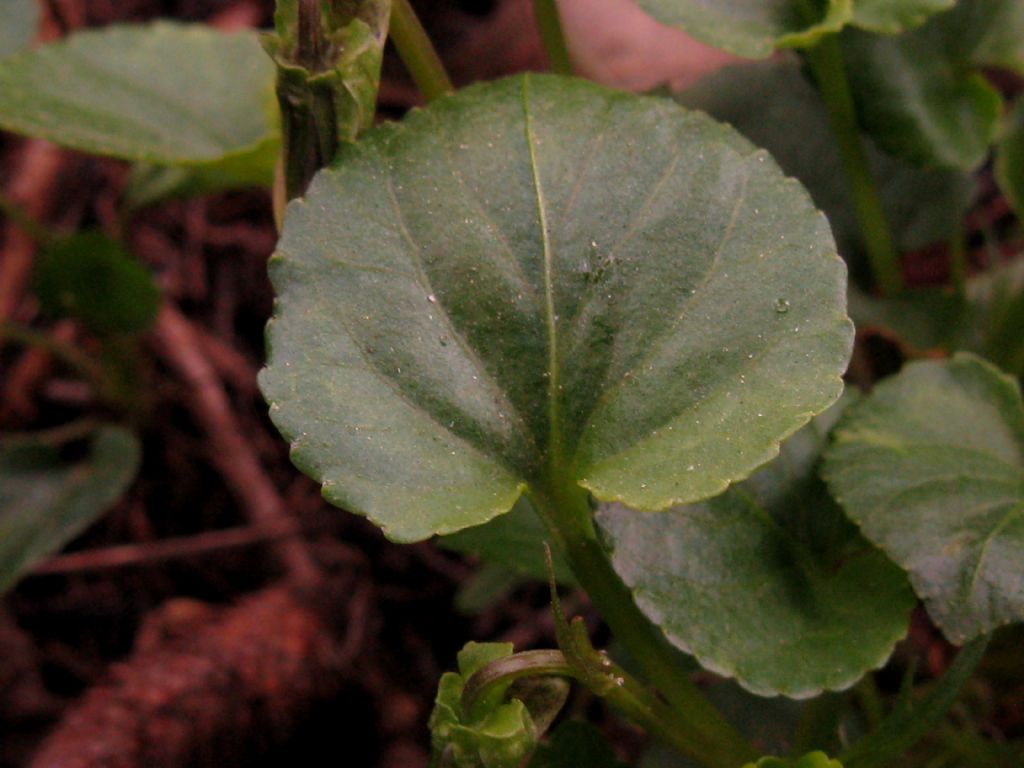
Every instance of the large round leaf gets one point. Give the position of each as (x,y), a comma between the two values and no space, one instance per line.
(767,583)
(931,467)
(164,93)
(540,281)
(753,28)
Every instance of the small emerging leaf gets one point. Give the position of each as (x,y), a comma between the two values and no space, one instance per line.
(164,93)
(931,467)
(18,22)
(95,280)
(767,583)
(541,281)
(497,734)
(45,501)
(753,29)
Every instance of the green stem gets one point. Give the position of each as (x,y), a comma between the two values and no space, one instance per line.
(417,52)
(704,734)
(551,34)
(908,723)
(829,70)
(621,690)
(870,701)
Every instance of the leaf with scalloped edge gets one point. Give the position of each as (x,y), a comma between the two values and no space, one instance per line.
(45,501)
(931,467)
(767,583)
(165,93)
(753,29)
(540,283)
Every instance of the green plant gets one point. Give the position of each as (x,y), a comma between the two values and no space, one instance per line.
(619,319)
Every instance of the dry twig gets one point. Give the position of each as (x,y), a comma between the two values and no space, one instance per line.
(179,345)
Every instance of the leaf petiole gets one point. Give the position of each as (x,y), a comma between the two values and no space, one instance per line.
(699,730)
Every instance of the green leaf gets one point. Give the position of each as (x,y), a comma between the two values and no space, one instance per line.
(1010,158)
(20,19)
(94,279)
(931,467)
(891,17)
(541,282)
(148,184)
(46,501)
(777,108)
(812,760)
(919,95)
(164,93)
(489,584)
(996,299)
(767,583)
(985,319)
(514,540)
(496,734)
(989,33)
(923,319)
(575,744)
(753,29)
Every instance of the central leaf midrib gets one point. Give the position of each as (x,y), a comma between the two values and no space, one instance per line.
(555,448)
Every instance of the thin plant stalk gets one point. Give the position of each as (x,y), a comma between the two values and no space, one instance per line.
(549,22)
(704,734)
(829,70)
(417,52)
(66,353)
